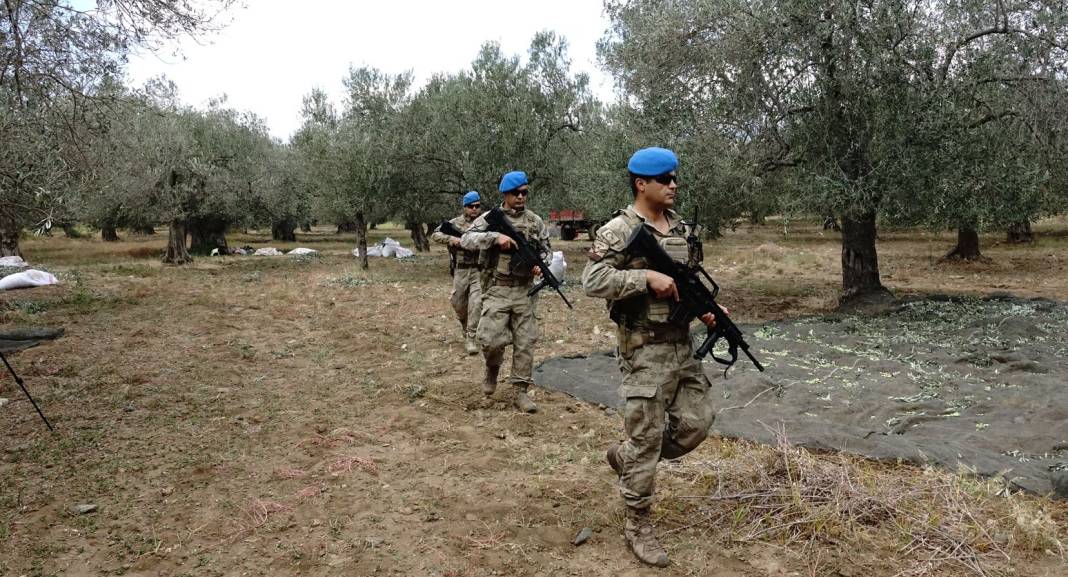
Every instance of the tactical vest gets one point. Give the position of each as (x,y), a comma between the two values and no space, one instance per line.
(464,258)
(646,310)
(508,267)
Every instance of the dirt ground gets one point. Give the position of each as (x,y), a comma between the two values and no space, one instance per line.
(298,416)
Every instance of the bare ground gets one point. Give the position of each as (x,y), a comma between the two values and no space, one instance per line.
(281,416)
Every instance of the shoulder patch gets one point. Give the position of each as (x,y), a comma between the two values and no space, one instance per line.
(608,240)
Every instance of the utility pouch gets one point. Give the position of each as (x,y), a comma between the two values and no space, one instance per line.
(629,340)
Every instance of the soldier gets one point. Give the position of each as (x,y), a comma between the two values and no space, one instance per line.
(466,297)
(668,410)
(507,311)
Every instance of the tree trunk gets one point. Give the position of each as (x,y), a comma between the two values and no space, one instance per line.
(860,263)
(9,236)
(284,230)
(348,226)
(207,234)
(176,251)
(69,231)
(109,234)
(418,236)
(145,229)
(361,239)
(967,245)
(1020,232)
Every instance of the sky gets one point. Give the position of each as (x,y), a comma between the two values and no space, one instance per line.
(273,52)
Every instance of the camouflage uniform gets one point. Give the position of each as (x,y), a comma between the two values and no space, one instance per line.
(507,311)
(466,296)
(668,410)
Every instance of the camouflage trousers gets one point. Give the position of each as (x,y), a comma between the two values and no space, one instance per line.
(667,414)
(508,319)
(466,298)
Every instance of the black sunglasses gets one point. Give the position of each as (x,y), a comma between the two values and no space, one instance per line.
(475,205)
(666,179)
(519,192)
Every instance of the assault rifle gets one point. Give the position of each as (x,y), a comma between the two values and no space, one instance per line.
(22,386)
(528,250)
(695,299)
(451,230)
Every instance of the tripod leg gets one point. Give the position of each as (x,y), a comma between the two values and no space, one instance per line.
(28,395)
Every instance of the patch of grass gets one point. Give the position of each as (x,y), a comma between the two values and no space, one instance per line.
(781,288)
(145,252)
(414,391)
(28,307)
(82,301)
(244,349)
(133,269)
(806,502)
(349,281)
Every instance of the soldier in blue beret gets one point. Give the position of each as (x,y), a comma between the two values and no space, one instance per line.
(668,409)
(466,297)
(507,310)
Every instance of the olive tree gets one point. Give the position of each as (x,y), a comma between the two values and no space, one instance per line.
(54,58)
(843,96)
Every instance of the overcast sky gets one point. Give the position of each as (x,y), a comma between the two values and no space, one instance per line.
(274,52)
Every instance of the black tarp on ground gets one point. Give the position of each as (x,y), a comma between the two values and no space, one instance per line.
(952,382)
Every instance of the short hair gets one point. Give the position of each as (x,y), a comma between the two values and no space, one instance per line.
(634,187)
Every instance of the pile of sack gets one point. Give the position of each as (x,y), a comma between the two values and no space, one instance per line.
(388,248)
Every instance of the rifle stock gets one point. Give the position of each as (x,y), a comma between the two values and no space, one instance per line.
(695,299)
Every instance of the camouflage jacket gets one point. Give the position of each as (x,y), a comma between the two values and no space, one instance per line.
(465,257)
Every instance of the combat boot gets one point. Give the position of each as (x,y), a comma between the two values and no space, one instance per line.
(638,530)
(612,455)
(490,383)
(471,344)
(522,401)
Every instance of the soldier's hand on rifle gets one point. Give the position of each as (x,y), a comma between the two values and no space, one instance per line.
(536,270)
(505,242)
(709,319)
(454,242)
(662,285)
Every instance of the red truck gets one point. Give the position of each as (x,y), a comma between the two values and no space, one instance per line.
(571,223)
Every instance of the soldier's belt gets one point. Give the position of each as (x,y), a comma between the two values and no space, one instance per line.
(656,334)
(513,282)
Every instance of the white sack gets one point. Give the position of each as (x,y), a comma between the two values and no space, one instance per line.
(558,266)
(12,261)
(27,279)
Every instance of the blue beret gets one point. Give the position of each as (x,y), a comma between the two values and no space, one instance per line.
(512,181)
(653,161)
(471,197)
